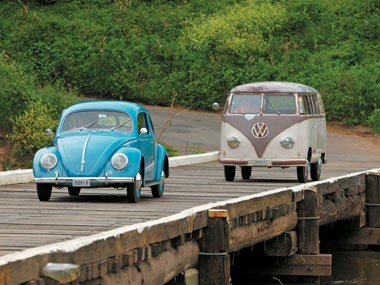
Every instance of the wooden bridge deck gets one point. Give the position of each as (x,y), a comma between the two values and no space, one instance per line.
(25,222)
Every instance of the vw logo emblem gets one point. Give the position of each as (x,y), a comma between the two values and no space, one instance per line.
(260,130)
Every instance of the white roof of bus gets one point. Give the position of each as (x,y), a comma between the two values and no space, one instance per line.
(273,87)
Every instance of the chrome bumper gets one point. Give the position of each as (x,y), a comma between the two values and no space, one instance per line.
(265,162)
(64,181)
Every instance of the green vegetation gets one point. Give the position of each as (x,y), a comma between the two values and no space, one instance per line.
(195,51)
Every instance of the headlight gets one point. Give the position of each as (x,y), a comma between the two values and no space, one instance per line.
(233,142)
(48,161)
(287,142)
(119,161)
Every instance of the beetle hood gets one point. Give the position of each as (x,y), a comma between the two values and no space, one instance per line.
(87,153)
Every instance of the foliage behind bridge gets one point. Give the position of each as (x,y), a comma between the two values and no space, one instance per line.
(192,52)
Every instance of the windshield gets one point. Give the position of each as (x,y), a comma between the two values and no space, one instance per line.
(279,104)
(97,119)
(245,104)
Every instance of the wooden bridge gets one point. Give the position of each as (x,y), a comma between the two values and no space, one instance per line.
(191,234)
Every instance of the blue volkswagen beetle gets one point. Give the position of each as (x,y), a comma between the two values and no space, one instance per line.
(102,144)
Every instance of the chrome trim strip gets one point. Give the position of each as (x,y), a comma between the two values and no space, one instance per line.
(83,153)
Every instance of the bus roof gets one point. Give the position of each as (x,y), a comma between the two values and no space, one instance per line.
(273,87)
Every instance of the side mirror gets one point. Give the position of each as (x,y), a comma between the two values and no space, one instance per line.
(49,132)
(143,131)
(215,106)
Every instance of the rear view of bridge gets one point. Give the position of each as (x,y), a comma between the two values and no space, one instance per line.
(192,234)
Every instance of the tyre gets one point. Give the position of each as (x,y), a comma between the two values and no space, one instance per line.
(246,172)
(44,191)
(315,170)
(302,173)
(158,190)
(229,172)
(134,189)
(74,191)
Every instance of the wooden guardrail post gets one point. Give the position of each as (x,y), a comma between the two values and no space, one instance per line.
(214,260)
(373,200)
(308,223)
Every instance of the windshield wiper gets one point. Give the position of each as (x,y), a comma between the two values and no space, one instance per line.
(89,125)
(120,125)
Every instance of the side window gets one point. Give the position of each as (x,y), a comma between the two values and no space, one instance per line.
(141,122)
(316,103)
(301,106)
(311,102)
(308,105)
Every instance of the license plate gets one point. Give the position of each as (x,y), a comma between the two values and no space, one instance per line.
(260,162)
(81,183)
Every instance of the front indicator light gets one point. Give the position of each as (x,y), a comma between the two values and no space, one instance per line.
(287,142)
(233,142)
(119,161)
(48,161)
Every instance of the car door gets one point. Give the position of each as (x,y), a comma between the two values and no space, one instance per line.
(147,144)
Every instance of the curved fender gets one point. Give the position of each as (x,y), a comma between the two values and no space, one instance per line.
(39,171)
(134,160)
(162,162)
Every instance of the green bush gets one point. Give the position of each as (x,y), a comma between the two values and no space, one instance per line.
(15,91)
(28,132)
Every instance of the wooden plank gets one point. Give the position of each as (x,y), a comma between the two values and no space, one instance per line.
(261,203)
(373,200)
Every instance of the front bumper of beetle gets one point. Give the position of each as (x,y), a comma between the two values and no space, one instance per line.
(86,181)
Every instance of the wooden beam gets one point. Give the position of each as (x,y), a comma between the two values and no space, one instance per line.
(343,208)
(260,203)
(254,233)
(308,223)
(214,261)
(373,200)
(283,245)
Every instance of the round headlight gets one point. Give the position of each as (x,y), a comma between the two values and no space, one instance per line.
(48,161)
(233,142)
(119,161)
(287,142)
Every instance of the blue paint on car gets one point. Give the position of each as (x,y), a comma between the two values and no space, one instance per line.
(102,144)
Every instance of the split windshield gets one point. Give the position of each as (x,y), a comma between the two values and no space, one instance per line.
(97,119)
(263,103)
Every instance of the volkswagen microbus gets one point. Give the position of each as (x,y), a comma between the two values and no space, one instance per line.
(273,124)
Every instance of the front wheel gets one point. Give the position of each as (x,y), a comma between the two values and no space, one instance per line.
(229,172)
(158,190)
(315,170)
(246,172)
(44,191)
(134,189)
(74,191)
(302,173)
